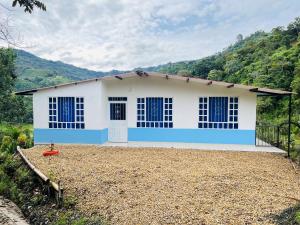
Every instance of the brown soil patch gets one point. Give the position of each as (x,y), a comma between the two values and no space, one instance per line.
(173,186)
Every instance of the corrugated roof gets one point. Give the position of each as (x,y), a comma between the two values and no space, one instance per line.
(260,91)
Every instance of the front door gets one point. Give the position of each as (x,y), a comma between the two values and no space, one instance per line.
(117,131)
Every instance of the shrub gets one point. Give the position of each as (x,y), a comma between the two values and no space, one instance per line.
(64,218)
(14,132)
(37,199)
(81,221)
(29,140)
(3,156)
(22,140)
(297,217)
(14,192)
(22,176)
(70,202)
(7,144)
(10,166)
(5,187)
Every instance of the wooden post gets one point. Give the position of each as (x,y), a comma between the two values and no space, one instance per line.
(289,131)
(278,137)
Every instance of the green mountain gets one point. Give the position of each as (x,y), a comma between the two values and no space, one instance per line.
(33,71)
(263,59)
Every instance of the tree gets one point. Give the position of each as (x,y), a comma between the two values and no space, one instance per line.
(239,38)
(29,5)
(184,73)
(215,75)
(5,28)
(296,85)
(12,108)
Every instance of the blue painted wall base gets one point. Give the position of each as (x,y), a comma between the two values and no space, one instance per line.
(70,136)
(211,136)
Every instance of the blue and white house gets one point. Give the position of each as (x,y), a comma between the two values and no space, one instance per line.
(146,107)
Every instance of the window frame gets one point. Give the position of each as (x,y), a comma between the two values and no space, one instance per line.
(232,121)
(167,113)
(79,113)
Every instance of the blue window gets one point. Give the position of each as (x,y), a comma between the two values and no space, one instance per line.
(66,109)
(156,112)
(218,112)
(66,112)
(154,108)
(218,109)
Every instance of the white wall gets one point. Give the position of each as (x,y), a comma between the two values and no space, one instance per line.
(93,96)
(185,98)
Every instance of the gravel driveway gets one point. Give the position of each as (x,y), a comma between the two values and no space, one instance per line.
(173,186)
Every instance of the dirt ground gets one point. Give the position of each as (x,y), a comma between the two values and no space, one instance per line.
(173,186)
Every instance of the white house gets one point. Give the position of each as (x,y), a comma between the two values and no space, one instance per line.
(152,107)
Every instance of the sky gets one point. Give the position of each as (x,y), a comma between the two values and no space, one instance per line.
(124,34)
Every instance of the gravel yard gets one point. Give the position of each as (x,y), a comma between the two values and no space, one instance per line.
(173,186)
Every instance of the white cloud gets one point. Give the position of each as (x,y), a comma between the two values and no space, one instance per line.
(124,34)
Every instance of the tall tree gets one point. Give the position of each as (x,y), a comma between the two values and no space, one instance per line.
(12,108)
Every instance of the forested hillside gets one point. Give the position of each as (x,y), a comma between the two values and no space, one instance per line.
(33,71)
(262,59)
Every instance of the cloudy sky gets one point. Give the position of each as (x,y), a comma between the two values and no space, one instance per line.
(124,34)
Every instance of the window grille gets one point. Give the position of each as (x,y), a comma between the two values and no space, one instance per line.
(155,112)
(66,112)
(218,112)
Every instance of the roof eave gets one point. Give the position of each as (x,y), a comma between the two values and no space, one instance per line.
(261,92)
(27,92)
(258,91)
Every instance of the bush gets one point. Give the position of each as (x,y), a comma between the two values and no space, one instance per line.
(297,217)
(37,199)
(22,140)
(64,218)
(3,156)
(70,202)
(15,132)
(22,176)
(10,166)
(8,144)
(5,187)
(81,221)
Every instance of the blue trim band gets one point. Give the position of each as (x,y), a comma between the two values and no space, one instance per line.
(212,136)
(70,136)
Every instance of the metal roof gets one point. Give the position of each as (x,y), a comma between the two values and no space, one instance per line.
(258,90)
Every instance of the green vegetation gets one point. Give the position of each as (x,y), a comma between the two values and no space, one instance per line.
(21,185)
(263,60)
(289,216)
(12,107)
(29,5)
(34,72)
